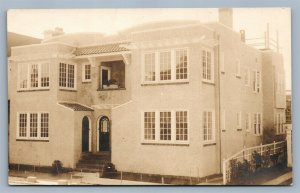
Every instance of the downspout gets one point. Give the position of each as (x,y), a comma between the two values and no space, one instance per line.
(218,96)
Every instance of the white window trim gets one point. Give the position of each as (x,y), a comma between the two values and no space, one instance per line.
(83,73)
(261,124)
(39,87)
(38,138)
(248,118)
(256,80)
(213,140)
(238,68)
(212,80)
(248,83)
(67,75)
(157,128)
(157,66)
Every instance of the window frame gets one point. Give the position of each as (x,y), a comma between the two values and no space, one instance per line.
(157,66)
(213,140)
(257,87)
(27,137)
(67,76)
(84,72)
(255,124)
(238,68)
(28,76)
(247,77)
(212,67)
(157,139)
(239,121)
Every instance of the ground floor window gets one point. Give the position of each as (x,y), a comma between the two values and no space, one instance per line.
(165,126)
(208,126)
(257,123)
(279,120)
(33,126)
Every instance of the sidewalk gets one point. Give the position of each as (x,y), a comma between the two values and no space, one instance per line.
(280,179)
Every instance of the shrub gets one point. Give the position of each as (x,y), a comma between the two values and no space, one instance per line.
(57,167)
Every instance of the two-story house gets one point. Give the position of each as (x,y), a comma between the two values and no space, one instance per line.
(169,98)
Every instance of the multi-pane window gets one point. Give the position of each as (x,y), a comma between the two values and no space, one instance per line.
(207,65)
(67,75)
(45,75)
(222,62)
(181,126)
(256,82)
(248,122)
(23,76)
(239,121)
(208,126)
(86,75)
(247,77)
(165,65)
(165,125)
(279,120)
(181,64)
(149,125)
(257,123)
(22,125)
(44,125)
(33,76)
(150,67)
(33,126)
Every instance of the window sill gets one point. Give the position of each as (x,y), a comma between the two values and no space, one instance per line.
(166,143)
(86,81)
(165,83)
(238,76)
(66,89)
(239,129)
(34,90)
(222,72)
(110,89)
(34,140)
(223,130)
(209,144)
(208,82)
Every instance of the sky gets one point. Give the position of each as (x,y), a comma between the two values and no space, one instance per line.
(109,21)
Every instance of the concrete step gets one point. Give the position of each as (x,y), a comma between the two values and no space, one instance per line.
(84,161)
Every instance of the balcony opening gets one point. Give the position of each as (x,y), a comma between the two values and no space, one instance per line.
(112,75)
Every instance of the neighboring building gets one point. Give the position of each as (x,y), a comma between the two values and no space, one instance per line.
(169,98)
(288,110)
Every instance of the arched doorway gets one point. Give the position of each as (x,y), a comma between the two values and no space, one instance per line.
(104,134)
(86,135)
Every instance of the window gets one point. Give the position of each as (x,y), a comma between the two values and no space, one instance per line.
(208,126)
(181,126)
(86,73)
(207,66)
(238,68)
(222,62)
(181,64)
(256,81)
(257,123)
(247,77)
(33,76)
(223,120)
(149,125)
(33,126)
(150,67)
(248,122)
(239,121)
(165,126)
(279,120)
(165,66)
(67,75)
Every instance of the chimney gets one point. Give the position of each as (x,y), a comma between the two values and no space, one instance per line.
(52,33)
(225,17)
(243,35)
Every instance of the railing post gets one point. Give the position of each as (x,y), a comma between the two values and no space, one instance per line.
(289,147)
(274,147)
(261,149)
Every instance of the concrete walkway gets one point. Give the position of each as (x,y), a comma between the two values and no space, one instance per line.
(280,179)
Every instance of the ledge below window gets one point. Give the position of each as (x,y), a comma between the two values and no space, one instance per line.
(209,144)
(65,89)
(34,90)
(165,144)
(110,89)
(164,83)
(208,82)
(33,140)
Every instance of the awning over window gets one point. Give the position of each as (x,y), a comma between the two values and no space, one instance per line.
(100,49)
(76,107)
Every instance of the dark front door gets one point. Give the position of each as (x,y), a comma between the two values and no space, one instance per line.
(104,134)
(85,134)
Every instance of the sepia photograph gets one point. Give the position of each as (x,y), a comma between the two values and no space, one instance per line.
(150,96)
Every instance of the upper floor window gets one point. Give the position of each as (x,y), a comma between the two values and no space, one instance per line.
(165,126)
(239,121)
(86,73)
(248,122)
(33,76)
(207,66)
(67,78)
(256,81)
(165,66)
(238,68)
(279,121)
(247,77)
(33,126)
